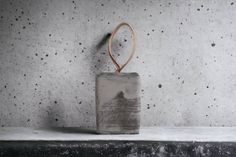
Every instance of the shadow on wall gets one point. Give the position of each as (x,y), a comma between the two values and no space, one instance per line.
(103,41)
(55,113)
(71,130)
(99,55)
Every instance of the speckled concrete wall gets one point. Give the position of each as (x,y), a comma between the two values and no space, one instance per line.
(51,50)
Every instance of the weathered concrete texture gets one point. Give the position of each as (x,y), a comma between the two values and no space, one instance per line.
(51,51)
(118,103)
(178,134)
(151,142)
(117,149)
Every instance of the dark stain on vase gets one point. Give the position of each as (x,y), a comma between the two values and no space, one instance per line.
(121,113)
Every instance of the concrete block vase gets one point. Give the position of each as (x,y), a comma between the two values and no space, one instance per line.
(118,103)
(117,96)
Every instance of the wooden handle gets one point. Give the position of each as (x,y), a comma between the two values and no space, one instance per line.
(119,67)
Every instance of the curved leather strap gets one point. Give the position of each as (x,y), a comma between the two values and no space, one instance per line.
(119,67)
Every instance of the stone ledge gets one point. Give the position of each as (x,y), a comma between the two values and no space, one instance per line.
(187,134)
(116,149)
(151,142)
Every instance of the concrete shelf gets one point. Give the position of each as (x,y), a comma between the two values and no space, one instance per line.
(152,141)
(191,134)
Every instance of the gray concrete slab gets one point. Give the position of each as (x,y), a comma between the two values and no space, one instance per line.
(190,134)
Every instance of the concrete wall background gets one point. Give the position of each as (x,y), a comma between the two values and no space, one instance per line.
(51,50)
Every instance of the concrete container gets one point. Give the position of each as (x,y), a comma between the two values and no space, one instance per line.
(118,103)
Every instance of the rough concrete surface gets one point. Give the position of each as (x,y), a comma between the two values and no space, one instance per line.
(116,149)
(151,142)
(152,134)
(51,51)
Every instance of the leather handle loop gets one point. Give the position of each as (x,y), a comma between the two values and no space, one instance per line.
(119,67)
